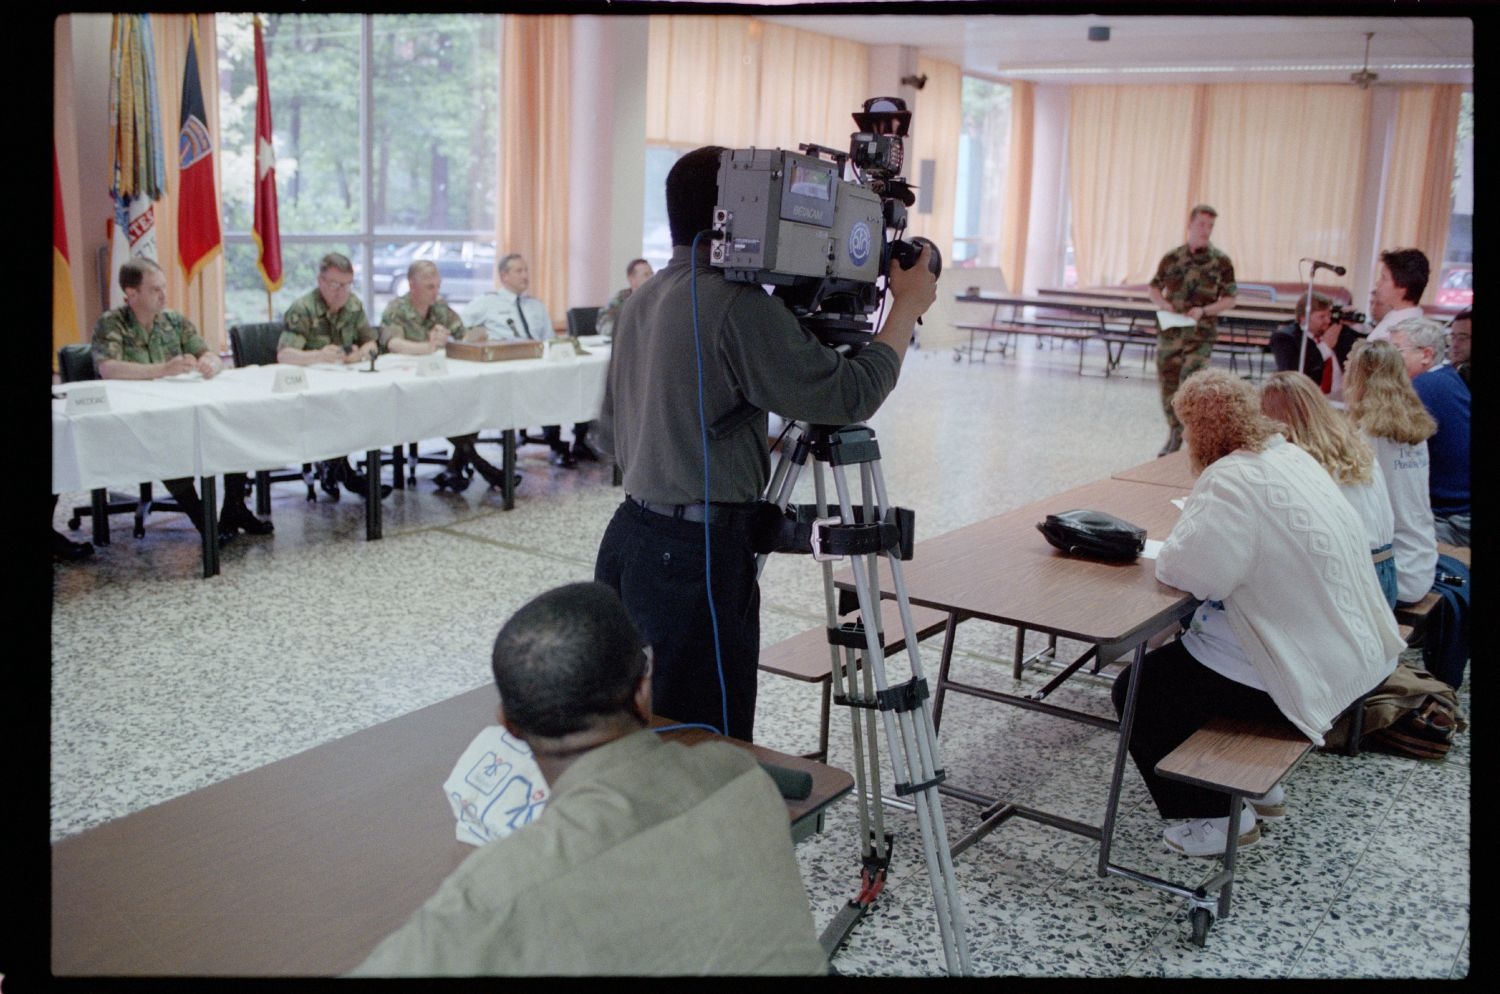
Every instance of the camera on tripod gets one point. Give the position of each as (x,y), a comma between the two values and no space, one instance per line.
(790,220)
(1347,316)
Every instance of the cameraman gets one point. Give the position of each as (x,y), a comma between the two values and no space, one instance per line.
(1327,347)
(756,358)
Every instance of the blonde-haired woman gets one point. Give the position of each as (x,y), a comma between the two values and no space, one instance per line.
(1311,423)
(1386,408)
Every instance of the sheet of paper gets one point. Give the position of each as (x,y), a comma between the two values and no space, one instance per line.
(1167,319)
(1180,503)
(1152,549)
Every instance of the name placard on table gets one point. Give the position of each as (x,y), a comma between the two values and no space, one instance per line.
(87,398)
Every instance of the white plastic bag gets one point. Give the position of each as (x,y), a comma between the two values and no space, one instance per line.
(495,788)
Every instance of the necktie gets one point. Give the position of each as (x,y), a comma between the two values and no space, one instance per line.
(1327,383)
(521,313)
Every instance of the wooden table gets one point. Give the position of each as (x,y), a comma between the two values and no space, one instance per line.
(1285,307)
(1174,470)
(1003,570)
(298,867)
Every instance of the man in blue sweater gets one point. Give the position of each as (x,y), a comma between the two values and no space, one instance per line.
(1446,397)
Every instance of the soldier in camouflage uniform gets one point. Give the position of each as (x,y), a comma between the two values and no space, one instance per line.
(328,325)
(1197,280)
(638,272)
(420,323)
(142,340)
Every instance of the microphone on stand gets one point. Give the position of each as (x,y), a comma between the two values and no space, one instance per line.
(1318,264)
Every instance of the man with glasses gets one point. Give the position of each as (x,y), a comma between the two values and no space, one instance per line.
(328,325)
(1460,334)
(1446,397)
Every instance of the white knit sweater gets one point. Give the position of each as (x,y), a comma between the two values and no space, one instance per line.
(1269,534)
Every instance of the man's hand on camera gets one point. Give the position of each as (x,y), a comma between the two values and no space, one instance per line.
(916,288)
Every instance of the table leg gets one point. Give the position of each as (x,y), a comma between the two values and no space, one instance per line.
(1122,755)
(99,515)
(210,497)
(372,495)
(398,467)
(508,468)
(263,493)
(950,630)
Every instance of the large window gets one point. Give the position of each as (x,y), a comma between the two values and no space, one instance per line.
(1456,288)
(983,151)
(386,137)
(656,234)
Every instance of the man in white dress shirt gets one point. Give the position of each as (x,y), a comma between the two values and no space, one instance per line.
(509,312)
(1398,289)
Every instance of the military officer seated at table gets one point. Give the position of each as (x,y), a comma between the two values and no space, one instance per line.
(650,857)
(328,325)
(143,340)
(510,312)
(420,323)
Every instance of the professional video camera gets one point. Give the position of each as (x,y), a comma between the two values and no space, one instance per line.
(790,220)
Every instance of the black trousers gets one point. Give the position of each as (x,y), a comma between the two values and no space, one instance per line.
(183,491)
(656,564)
(553,435)
(1177,697)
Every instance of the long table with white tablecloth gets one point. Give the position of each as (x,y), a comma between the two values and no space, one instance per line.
(237,421)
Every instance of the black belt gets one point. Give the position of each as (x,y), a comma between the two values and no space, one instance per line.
(718,515)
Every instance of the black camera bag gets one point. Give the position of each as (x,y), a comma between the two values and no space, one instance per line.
(1093,534)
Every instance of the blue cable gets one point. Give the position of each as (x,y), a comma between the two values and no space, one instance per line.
(713,614)
(689,724)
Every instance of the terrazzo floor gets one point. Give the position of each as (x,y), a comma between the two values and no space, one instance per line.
(172,682)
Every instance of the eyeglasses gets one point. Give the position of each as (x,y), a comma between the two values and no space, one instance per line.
(335,284)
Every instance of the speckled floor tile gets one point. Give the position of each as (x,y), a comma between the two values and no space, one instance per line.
(163,682)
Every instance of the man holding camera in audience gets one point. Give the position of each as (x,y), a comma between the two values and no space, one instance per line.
(328,324)
(1446,397)
(143,340)
(650,857)
(757,358)
(1399,284)
(510,312)
(1319,341)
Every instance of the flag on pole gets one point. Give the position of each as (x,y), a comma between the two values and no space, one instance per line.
(135,145)
(267,229)
(198,238)
(64,315)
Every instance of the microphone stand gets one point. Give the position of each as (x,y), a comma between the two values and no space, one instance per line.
(1304,320)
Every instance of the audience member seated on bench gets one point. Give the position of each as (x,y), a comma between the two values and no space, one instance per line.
(1422,344)
(1310,422)
(1386,408)
(1293,626)
(650,857)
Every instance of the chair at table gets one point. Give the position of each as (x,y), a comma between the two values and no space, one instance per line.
(581,320)
(404,459)
(74,363)
(255,345)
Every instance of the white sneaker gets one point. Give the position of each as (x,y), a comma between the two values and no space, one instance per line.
(1270,806)
(1208,836)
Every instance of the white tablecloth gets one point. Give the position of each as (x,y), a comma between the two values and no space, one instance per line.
(161,429)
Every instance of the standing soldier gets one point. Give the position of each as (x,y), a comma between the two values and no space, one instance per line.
(1196,280)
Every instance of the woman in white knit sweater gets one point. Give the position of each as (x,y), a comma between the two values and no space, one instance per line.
(1293,626)
(1310,423)
(1386,408)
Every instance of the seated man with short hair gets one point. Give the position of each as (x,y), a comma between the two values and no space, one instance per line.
(1421,342)
(650,857)
(143,340)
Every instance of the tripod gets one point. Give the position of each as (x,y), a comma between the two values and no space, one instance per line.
(865,532)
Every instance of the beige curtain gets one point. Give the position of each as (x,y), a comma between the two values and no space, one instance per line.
(937,122)
(702,81)
(534,101)
(1129,166)
(1016,216)
(202,302)
(810,84)
(1282,164)
(1419,187)
(64,128)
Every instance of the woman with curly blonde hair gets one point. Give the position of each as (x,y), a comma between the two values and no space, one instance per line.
(1386,408)
(1311,423)
(1293,625)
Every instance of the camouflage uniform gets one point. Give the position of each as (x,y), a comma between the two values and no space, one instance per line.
(119,336)
(309,326)
(604,324)
(1189,279)
(400,315)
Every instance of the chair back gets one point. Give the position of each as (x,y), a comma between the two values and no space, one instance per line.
(255,344)
(76,362)
(581,320)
